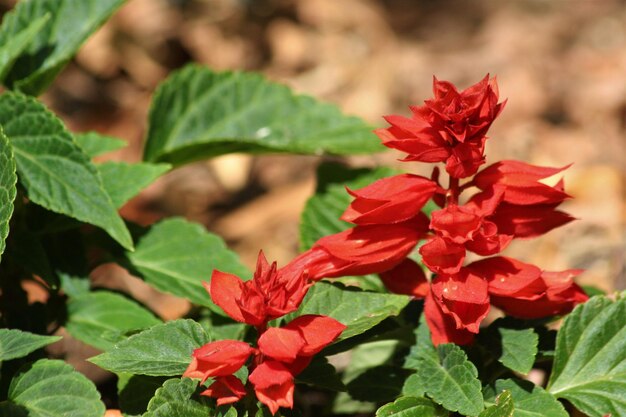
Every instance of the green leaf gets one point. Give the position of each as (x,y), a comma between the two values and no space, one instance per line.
(590,360)
(16,343)
(174,400)
(411,407)
(197,113)
(52,388)
(162,350)
(451,380)
(93,314)
(95,144)
(321,374)
(529,399)
(136,391)
(175,256)
(55,171)
(363,357)
(379,384)
(54,44)
(503,407)
(11,50)
(8,180)
(122,181)
(359,310)
(519,348)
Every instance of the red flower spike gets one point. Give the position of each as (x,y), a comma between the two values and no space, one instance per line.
(317,332)
(406,278)
(442,326)
(273,385)
(521,182)
(389,200)
(226,389)
(455,223)
(267,296)
(281,343)
(463,297)
(442,256)
(220,358)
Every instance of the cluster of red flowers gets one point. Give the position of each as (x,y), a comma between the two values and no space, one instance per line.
(511,200)
(281,352)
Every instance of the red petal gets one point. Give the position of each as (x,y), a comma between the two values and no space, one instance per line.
(317,331)
(406,278)
(219,358)
(463,297)
(455,223)
(273,385)
(390,200)
(442,326)
(371,249)
(225,290)
(528,221)
(282,344)
(509,277)
(441,256)
(227,389)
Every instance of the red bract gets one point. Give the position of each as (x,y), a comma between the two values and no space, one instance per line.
(389,200)
(220,358)
(226,389)
(521,182)
(273,385)
(362,249)
(450,128)
(524,291)
(268,295)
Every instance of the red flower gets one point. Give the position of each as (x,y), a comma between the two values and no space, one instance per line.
(267,296)
(220,358)
(463,297)
(273,385)
(361,250)
(451,127)
(406,278)
(227,389)
(528,221)
(442,256)
(523,290)
(389,200)
(455,223)
(521,182)
(304,336)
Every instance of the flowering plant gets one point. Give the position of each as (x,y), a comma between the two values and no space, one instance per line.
(402,302)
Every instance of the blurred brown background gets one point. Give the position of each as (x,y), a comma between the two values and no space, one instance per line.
(561,64)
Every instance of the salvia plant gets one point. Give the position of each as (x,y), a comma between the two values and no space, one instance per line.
(383,273)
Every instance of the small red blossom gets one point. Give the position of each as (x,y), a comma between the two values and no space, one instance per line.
(525,291)
(450,128)
(390,200)
(521,182)
(226,389)
(273,385)
(219,358)
(361,250)
(442,256)
(267,296)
